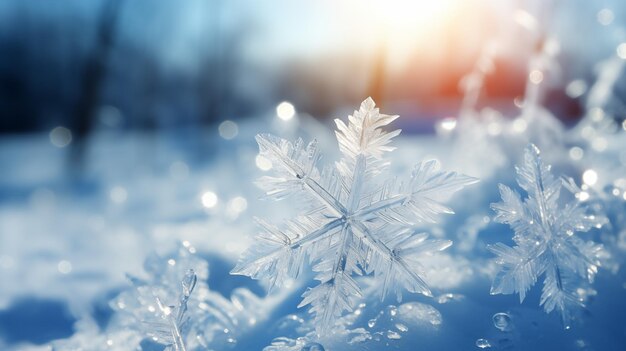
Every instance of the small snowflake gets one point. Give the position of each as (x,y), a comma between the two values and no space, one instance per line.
(198,317)
(168,279)
(545,239)
(353,224)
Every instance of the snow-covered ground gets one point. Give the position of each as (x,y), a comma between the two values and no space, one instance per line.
(183,200)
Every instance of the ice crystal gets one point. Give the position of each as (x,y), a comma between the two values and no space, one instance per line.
(545,240)
(171,278)
(171,327)
(354,224)
(201,319)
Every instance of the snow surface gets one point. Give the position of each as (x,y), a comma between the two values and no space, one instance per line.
(67,242)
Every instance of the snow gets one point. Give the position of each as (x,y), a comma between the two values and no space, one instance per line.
(48,221)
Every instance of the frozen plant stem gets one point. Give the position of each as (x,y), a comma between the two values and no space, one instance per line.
(474,82)
(541,66)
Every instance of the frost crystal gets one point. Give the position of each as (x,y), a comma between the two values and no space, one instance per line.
(353,224)
(545,240)
(170,327)
(200,319)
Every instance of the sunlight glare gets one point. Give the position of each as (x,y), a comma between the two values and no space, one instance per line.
(402,22)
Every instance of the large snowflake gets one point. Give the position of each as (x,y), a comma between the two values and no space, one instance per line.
(545,239)
(353,223)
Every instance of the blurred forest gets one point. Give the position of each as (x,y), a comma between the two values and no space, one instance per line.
(161,64)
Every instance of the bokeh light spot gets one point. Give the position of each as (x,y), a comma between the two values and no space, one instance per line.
(582,196)
(576,153)
(285,111)
(228,129)
(590,177)
(448,123)
(576,88)
(209,199)
(535,76)
(118,194)
(520,125)
(605,17)
(238,204)
(263,163)
(599,144)
(60,136)
(64,267)
(621,51)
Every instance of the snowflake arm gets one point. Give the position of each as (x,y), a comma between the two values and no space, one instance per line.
(337,290)
(428,188)
(542,187)
(517,274)
(421,199)
(511,210)
(575,213)
(280,253)
(296,171)
(396,258)
(364,136)
(558,293)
